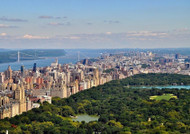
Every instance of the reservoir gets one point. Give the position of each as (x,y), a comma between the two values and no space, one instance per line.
(85,117)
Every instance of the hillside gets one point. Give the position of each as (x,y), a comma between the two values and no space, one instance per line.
(121,110)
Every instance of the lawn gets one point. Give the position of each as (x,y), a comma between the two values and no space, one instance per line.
(163,97)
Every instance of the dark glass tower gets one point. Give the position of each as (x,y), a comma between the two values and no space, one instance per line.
(176,56)
(22,69)
(34,67)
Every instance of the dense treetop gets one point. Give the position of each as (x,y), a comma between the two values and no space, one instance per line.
(122,109)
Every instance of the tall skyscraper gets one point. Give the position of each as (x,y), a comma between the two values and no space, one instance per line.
(19,95)
(187,65)
(176,56)
(85,62)
(8,73)
(34,67)
(2,77)
(22,70)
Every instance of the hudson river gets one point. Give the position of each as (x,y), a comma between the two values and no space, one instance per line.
(71,57)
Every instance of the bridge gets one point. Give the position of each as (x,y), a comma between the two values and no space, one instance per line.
(20,55)
(78,56)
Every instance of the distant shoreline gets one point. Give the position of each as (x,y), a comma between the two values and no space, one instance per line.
(11,56)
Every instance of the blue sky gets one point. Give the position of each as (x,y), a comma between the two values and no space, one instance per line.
(94,23)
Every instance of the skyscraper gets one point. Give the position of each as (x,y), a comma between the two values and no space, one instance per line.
(176,56)
(2,77)
(8,73)
(22,70)
(34,67)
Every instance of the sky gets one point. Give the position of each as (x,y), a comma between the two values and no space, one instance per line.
(94,24)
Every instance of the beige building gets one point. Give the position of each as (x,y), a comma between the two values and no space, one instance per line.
(59,91)
(9,107)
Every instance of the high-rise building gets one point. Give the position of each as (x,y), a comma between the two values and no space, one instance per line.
(20,97)
(12,107)
(22,70)
(34,67)
(8,73)
(85,62)
(96,77)
(176,56)
(187,65)
(2,78)
(55,64)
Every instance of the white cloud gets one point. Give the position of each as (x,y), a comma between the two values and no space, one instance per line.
(3,34)
(111,21)
(46,17)
(51,17)
(3,26)
(12,19)
(59,23)
(27,36)
(146,33)
(182,30)
(72,37)
(7,26)
(55,24)
(118,39)
(108,33)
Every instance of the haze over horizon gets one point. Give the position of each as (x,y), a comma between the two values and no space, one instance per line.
(94,24)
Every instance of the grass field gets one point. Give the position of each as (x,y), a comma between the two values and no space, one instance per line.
(163,97)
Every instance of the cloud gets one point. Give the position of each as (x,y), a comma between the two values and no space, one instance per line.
(7,26)
(111,36)
(89,23)
(126,36)
(3,34)
(12,19)
(28,36)
(59,23)
(51,17)
(182,30)
(46,17)
(111,21)
(104,40)
(146,34)
(57,17)
(56,24)
(108,33)
(72,37)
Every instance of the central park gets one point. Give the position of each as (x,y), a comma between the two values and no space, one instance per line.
(120,107)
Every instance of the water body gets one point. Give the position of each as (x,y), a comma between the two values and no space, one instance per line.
(71,57)
(162,87)
(85,117)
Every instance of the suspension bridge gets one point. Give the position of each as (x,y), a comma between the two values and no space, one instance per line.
(20,55)
(24,56)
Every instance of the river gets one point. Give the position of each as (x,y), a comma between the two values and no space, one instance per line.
(70,57)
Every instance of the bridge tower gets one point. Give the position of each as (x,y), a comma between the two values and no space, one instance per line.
(78,56)
(18,58)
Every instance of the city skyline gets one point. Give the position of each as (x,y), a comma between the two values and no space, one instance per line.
(94,24)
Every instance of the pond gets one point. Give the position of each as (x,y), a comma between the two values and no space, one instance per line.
(170,87)
(85,117)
